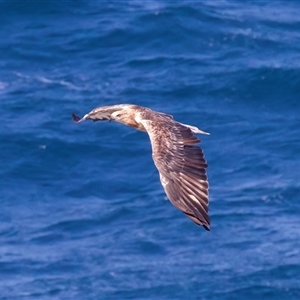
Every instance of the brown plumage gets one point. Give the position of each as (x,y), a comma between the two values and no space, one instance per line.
(180,163)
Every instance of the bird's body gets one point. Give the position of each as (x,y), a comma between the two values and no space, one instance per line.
(180,163)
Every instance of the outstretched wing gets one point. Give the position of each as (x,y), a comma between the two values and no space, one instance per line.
(181,166)
(101,113)
(95,115)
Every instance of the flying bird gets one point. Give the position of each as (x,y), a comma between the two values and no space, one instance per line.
(179,161)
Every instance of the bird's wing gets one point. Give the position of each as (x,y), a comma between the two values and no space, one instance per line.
(98,114)
(181,166)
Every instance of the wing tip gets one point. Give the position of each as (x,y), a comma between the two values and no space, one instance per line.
(206,227)
(75,118)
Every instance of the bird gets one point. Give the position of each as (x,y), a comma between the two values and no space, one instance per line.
(180,162)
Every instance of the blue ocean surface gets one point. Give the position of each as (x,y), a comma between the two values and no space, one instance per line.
(83,214)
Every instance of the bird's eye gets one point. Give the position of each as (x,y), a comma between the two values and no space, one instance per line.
(118,115)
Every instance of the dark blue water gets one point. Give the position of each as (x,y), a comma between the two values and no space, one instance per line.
(83,214)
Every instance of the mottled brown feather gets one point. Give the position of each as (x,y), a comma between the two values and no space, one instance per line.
(181,165)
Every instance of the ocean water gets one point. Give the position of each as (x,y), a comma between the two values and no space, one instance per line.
(83,214)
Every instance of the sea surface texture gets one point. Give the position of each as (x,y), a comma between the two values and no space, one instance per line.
(83,214)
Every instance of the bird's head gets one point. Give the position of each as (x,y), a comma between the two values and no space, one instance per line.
(119,115)
(125,115)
